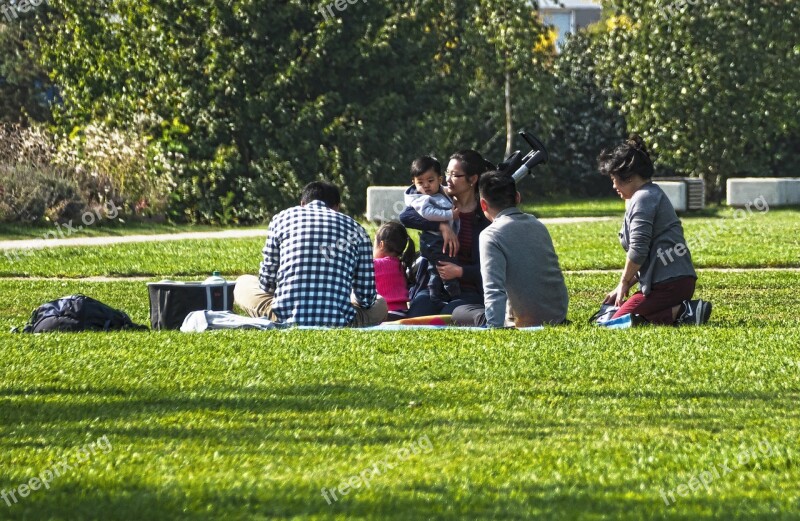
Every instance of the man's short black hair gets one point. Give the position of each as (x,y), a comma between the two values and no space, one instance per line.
(321,191)
(499,190)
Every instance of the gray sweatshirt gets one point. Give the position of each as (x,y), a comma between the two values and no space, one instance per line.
(653,237)
(520,271)
(437,207)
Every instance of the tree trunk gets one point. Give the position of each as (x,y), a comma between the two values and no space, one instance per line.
(509,123)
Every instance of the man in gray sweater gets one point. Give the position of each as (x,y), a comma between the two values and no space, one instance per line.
(522,283)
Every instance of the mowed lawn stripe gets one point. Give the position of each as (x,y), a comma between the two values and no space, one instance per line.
(759,239)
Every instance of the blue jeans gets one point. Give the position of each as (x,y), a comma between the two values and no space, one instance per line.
(422,305)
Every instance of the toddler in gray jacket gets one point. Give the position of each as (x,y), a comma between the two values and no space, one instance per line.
(426,196)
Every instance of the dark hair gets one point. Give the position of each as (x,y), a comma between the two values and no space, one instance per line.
(627,159)
(472,163)
(499,190)
(396,240)
(321,191)
(423,164)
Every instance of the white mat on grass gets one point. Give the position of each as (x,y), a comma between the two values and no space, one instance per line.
(199,321)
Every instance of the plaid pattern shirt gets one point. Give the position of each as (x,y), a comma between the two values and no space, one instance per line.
(314,257)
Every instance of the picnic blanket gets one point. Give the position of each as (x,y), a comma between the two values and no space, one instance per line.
(199,321)
(430,320)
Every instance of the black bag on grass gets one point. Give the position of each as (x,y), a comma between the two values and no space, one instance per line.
(78,313)
(604,314)
(171,302)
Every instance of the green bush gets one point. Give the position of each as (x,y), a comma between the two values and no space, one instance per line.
(710,86)
(227,190)
(261,97)
(32,195)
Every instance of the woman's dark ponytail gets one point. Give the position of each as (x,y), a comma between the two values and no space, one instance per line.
(627,159)
(472,162)
(407,262)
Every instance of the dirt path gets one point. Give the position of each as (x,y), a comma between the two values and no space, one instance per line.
(35,244)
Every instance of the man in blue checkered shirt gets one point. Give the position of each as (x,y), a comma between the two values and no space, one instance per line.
(317,268)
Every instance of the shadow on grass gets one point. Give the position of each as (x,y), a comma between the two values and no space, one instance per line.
(313,413)
(268,410)
(409,501)
(36,409)
(126,501)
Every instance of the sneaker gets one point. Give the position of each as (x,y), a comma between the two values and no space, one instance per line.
(695,312)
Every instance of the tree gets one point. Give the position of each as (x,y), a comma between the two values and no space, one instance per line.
(711,86)
(258,96)
(255,97)
(503,83)
(588,122)
(25,90)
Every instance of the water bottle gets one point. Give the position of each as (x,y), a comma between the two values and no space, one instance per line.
(216,296)
(215,278)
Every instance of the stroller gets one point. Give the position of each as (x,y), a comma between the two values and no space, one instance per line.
(517,165)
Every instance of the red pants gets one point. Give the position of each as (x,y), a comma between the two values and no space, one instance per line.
(657,306)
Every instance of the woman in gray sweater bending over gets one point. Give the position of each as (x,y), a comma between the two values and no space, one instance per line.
(652,236)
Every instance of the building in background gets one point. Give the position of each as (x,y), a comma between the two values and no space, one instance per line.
(567,16)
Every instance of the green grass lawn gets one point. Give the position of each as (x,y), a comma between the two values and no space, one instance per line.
(571,207)
(567,423)
(106,228)
(758,240)
(612,207)
(722,240)
(570,422)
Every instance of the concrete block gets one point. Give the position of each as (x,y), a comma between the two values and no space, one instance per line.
(792,186)
(774,191)
(676,193)
(385,203)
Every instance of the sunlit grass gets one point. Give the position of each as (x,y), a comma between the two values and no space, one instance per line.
(571,422)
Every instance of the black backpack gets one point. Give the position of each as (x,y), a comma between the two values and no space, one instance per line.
(78,313)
